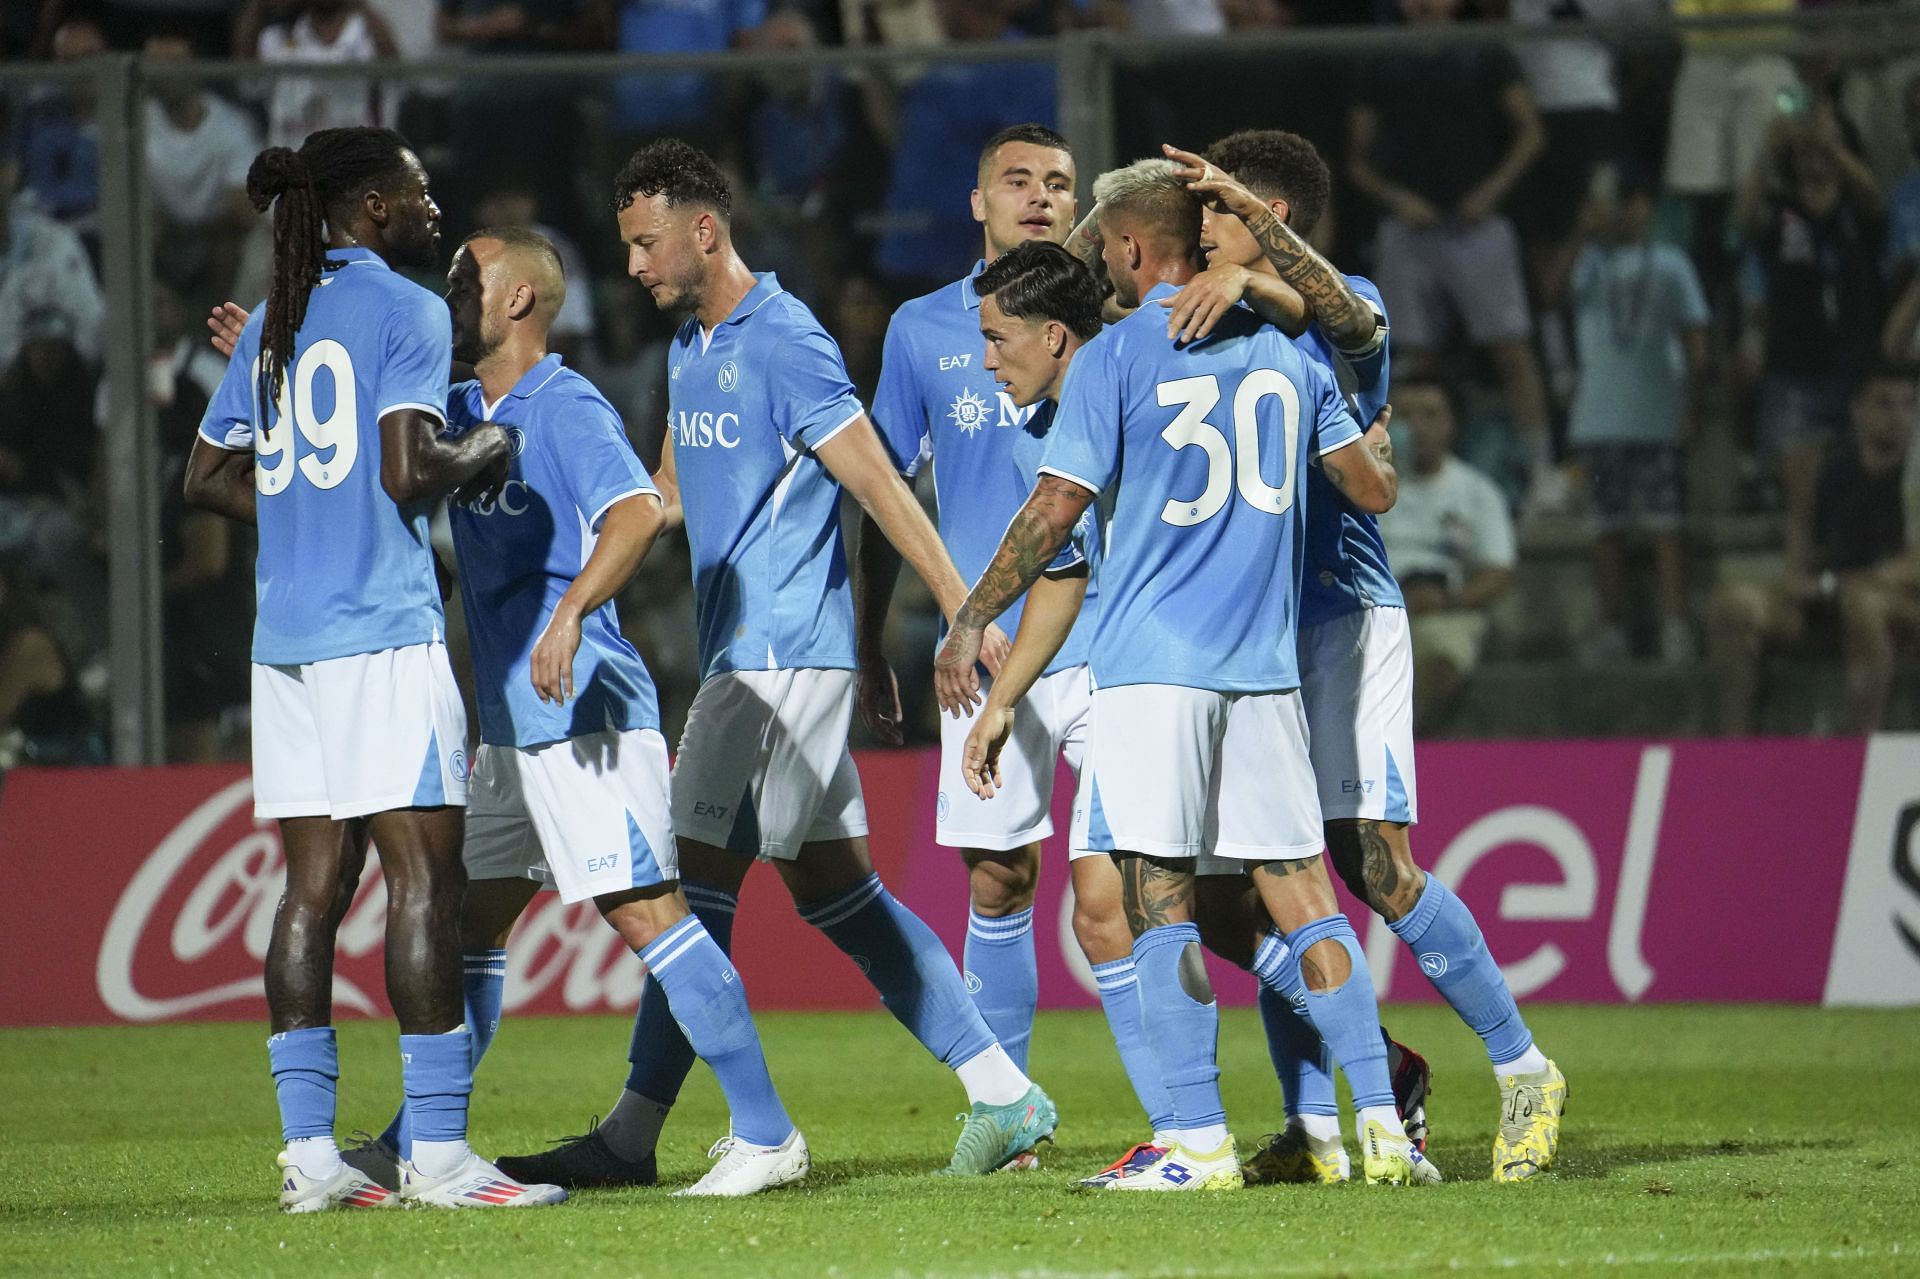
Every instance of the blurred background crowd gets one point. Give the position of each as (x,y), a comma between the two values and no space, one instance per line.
(1651,268)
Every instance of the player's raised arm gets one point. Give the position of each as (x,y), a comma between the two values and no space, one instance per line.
(1347,319)
(1032,540)
(1362,469)
(627,533)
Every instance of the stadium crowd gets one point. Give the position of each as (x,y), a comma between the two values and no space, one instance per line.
(1656,300)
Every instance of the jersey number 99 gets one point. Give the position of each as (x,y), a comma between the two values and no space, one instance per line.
(1236,465)
(339,431)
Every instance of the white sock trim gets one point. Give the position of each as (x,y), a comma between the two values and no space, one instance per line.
(1530,1062)
(991,1078)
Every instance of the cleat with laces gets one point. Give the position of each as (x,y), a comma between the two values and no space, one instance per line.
(346,1188)
(374,1159)
(1412,1085)
(1294,1158)
(583,1161)
(474,1184)
(1529,1136)
(747,1169)
(1137,1160)
(1391,1160)
(1183,1169)
(997,1135)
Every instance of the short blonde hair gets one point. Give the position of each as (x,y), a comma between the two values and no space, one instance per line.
(1147,197)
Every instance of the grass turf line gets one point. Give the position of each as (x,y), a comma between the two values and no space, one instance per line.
(1703,1140)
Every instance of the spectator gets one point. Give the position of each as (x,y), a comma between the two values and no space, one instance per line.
(1451,544)
(800,129)
(678,102)
(43,268)
(1903,206)
(199,148)
(1849,566)
(1641,322)
(43,717)
(315,32)
(46,447)
(1438,139)
(58,140)
(935,129)
(1813,216)
(518,206)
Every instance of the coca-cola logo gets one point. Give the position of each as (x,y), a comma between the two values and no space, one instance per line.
(189,933)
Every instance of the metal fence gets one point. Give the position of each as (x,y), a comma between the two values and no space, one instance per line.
(854,166)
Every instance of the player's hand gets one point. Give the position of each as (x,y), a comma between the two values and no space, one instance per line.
(226,322)
(876,695)
(1215,189)
(980,757)
(1415,212)
(956,685)
(1195,309)
(552,664)
(491,478)
(995,649)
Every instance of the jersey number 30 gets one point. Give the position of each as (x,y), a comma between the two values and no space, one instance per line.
(338,434)
(1236,465)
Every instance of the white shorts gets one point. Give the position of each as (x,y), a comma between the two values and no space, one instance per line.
(587,816)
(764,765)
(1723,104)
(1356,675)
(1050,721)
(1178,772)
(357,735)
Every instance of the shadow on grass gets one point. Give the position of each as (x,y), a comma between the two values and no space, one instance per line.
(1588,1162)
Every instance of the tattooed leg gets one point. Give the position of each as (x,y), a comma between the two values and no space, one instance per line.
(1375,861)
(1296,893)
(1154,890)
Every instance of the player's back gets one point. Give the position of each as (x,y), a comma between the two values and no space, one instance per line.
(1346,558)
(1197,453)
(748,404)
(341,569)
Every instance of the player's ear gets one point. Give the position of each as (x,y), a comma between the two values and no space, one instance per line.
(1056,337)
(521,303)
(1281,209)
(979,206)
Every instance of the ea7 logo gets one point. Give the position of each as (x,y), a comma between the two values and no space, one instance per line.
(702,808)
(951,362)
(597,864)
(1355,786)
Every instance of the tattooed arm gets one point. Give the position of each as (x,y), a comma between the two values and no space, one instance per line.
(1032,540)
(1364,474)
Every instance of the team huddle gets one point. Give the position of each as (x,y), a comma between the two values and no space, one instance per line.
(1159,446)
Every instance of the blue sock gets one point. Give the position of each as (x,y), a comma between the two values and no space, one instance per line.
(1443,936)
(1004,977)
(660,1054)
(705,996)
(306,1078)
(1182,1031)
(483,981)
(1300,1057)
(1120,996)
(1348,1017)
(436,1074)
(908,966)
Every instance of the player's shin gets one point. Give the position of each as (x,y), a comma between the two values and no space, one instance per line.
(436,1074)
(1444,937)
(707,1000)
(1342,1009)
(1182,1024)
(1120,998)
(1303,1064)
(483,979)
(1004,977)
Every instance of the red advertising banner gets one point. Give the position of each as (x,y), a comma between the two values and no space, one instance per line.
(1600,871)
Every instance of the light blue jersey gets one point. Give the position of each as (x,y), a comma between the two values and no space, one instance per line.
(1346,559)
(1198,455)
(341,569)
(520,552)
(937,399)
(747,406)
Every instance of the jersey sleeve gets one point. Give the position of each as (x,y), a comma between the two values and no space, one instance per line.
(599,464)
(417,357)
(812,398)
(1368,363)
(899,412)
(1334,425)
(228,421)
(1084,444)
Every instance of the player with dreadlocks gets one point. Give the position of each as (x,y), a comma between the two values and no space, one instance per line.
(326,433)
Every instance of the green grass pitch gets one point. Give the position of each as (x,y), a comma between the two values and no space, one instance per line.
(1698,1141)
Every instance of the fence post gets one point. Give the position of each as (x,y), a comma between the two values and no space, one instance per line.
(132,454)
(1085,88)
